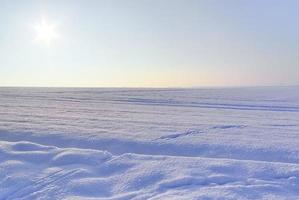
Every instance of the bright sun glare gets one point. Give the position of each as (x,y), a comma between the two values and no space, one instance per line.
(46,32)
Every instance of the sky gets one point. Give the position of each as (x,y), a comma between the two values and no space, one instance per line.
(149,43)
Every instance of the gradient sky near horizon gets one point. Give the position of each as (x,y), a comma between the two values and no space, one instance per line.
(149,43)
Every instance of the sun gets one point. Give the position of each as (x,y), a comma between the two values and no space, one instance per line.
(45,32)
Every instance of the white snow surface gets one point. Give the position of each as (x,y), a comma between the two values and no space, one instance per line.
(81,143)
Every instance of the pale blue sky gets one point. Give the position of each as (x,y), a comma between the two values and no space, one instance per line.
(150,43)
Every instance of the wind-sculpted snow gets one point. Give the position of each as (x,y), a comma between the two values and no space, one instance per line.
(149,143)
(33,171)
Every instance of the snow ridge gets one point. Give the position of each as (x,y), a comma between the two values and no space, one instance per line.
(70,173)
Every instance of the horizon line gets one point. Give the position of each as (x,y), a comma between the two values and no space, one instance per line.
(145,87)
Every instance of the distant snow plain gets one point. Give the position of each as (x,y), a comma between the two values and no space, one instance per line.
(80,143)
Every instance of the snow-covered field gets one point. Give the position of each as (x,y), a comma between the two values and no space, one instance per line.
(238,143)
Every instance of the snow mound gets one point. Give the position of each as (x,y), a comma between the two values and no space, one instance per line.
(33,171)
